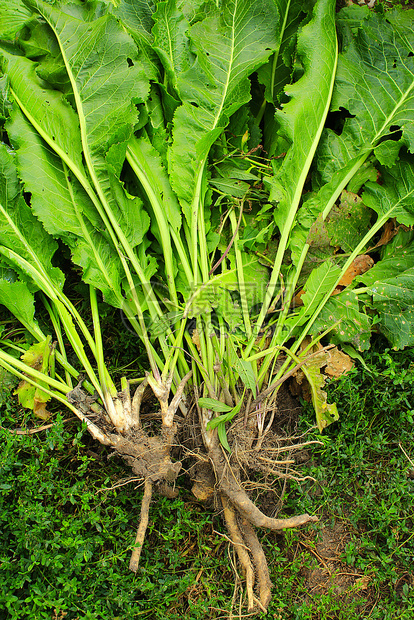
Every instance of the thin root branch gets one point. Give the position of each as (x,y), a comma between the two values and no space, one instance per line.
(142,528)
(121,483)
(229,539)
(32,431)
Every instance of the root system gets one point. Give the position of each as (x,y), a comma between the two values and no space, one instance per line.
(260,455)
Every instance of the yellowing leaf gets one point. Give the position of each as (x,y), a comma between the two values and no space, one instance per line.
(338,363)
(33,357)
(360,265)
(325,413)
(30,396)
(39,409)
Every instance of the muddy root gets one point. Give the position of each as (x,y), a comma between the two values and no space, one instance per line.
(242,551)
(251,557)
(230,486)
(260,564)
(217,476)
(142,527)
(221,476)
(149,456)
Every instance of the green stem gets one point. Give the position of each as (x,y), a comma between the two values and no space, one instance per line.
(202,242)
(63,306)
(56,326)
(103,209)
(175,352)
(377,226)
(240,272)
(291,202)
(362,291)
(200,366)
(287,299)
(77,345)
(195,218)
(106,382)
(56,395)
(163,225)
(140,329)
(26,371)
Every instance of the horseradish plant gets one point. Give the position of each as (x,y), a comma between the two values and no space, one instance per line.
(237,188)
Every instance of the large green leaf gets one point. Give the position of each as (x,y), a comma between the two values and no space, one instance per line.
(277,72)
(393,299)
(394,196)
(136,15)
(300,123)
(103,94)
(65,210)
(348,222)
(19,300)
(14,14)
(354,325)
(391,280)
(321,281)
(301,120)
(24,242)
(229,46)
(46,108)
(154,178)
(171,40)
(375,84)
(103,90)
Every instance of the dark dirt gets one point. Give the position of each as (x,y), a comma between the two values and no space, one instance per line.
(330,574)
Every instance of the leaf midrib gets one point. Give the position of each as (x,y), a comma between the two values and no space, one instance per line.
(276,55)
(394,112)
(104,209)
(230,67)
(25,243)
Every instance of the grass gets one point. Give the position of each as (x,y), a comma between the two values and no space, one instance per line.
(363,489)
(67,532)
(67,538)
